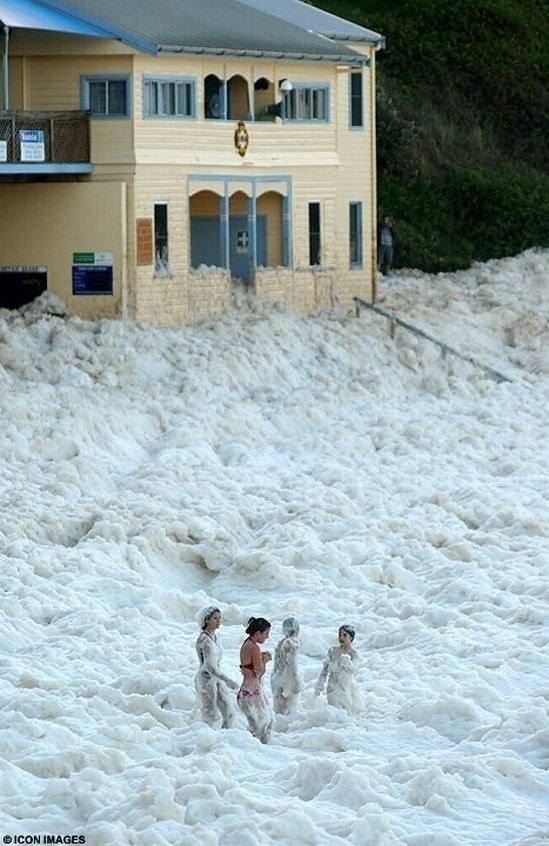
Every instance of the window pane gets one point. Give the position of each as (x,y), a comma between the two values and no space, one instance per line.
(314,233)
(181,92)
(306,103)
(98,97)
(169,98)
(356,99)
(161,237)
(149,98)
(355,234)
(117,97)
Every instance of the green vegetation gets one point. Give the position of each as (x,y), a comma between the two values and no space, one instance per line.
(463,125)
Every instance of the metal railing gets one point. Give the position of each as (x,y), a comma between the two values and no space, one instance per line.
(395,321)
(53,137)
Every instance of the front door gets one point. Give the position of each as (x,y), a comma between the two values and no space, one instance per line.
(240,257)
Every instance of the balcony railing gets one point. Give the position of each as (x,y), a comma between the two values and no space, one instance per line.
(44,142)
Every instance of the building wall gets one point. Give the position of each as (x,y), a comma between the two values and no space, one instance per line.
(53,82)
(47,223)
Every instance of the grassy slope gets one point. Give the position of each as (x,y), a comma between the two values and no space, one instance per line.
(463,131)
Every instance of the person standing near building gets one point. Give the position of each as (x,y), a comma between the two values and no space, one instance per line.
(386,244)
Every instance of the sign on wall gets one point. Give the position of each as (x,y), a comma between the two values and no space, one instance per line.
(32,145)
(92,274)
(144,241)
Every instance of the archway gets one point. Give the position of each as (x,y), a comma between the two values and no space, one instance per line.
(206,230)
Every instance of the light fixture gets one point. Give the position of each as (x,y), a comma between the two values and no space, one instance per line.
(286,85)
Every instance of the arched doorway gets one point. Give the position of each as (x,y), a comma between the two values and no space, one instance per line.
(238,99)
(214,105)
(206,230)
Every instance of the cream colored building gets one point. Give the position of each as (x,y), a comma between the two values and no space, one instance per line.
(155,157)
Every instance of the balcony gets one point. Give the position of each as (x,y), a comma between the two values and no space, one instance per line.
(34,145)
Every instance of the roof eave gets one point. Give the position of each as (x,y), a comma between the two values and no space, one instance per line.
(334,58)
(114,33)
(374,39)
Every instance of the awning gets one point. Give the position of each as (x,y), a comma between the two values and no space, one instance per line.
(24,14)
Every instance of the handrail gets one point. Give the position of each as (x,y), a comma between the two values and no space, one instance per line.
(394,321)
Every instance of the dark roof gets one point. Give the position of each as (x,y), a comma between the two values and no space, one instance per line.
(238,27)
(310,18)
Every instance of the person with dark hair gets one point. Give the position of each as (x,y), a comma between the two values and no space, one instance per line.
(285,681)
(212,686)
(251,699)
(386,244)
(339,667)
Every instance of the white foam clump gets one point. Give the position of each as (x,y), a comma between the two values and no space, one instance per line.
(274,465)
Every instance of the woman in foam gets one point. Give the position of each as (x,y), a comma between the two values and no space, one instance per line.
(211,684)
(339,667)
(285,681)
(251,698)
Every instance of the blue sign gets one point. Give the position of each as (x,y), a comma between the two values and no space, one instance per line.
(91,279)
(31,136)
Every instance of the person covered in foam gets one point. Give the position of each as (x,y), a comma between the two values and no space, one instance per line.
(251,697)
(339,669)
(212,685)
(285,680)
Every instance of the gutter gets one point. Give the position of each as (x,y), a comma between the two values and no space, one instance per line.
(344,58)
(374,39)
(5,70)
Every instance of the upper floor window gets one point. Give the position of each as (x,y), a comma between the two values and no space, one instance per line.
(168,98)
(306,102)
(106,96)
(356,100)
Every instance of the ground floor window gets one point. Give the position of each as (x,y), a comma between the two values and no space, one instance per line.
(161,255)
(314,234)
(355,234)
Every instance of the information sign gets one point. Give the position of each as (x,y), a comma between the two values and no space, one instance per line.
(32,145)
(92,274)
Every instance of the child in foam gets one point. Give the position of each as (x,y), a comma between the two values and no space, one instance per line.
(212,685)
(285,681)
(251,698)
(339,667)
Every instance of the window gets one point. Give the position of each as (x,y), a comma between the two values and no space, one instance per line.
(355,234)
(161,263)
(215,99)
(168,98)
(356,100)
(306,103)
(314,234)
(106,97)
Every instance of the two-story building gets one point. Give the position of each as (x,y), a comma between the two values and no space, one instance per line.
(154,156)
